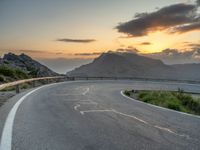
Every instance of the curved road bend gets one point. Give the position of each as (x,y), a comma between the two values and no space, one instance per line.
(93,115)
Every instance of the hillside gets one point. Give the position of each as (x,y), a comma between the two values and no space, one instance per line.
(133,65)
(14,67)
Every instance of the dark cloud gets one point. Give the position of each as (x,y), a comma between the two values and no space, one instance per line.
(128,50)
(120,50)
(88,54)
(38,52)
(174,56)
(130,47)
(145,43)
(194,45)
(187,28)
(173,17)
(77,40)
(59,53)
(31,51)
(191,44)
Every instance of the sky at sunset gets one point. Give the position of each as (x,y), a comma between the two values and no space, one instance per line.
(64,34)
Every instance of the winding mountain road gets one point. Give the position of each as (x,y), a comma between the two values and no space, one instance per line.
(94,115)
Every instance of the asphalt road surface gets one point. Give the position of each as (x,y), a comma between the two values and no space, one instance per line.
(94,115)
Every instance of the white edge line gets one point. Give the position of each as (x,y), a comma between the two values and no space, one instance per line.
(138,101)
(6,137)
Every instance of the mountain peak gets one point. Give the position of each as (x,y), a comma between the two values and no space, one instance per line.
(24,56)
(125,64)
(27,64)
(120,64)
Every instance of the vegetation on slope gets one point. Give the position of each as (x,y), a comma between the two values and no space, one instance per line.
(179,101)
(9,74)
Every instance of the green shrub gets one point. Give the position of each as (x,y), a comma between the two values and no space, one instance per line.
(24,86)
(179,101)
(173,105)
(2,79)
(21,74)
(127,93)
(11,88)
(142,94)
(7,71)
(13,73)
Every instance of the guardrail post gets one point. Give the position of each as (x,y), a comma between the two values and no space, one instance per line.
(47,81)
(58,80)
(33,84)
(17,88)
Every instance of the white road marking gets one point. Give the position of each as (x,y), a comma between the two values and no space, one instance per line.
(76,107)
(131,116)
(158,127)
(158,106)
(86,91)
(170,131)
(165,129)
(88,111)
(66,94)
(6,138)
(136,118)
(71,94)
(114,111)
(89,102)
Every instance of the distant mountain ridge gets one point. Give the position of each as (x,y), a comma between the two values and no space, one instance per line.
(118,64)
(26,64)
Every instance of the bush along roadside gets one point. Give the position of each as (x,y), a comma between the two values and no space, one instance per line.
(179,101)
(8,74)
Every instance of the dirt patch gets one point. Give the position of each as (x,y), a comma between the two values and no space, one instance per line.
(4,96)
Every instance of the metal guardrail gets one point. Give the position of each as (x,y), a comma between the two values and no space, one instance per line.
(64,78)
(17,83)
(136,79)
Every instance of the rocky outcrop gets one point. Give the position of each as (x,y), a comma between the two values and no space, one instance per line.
(115,64)
(27,64)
